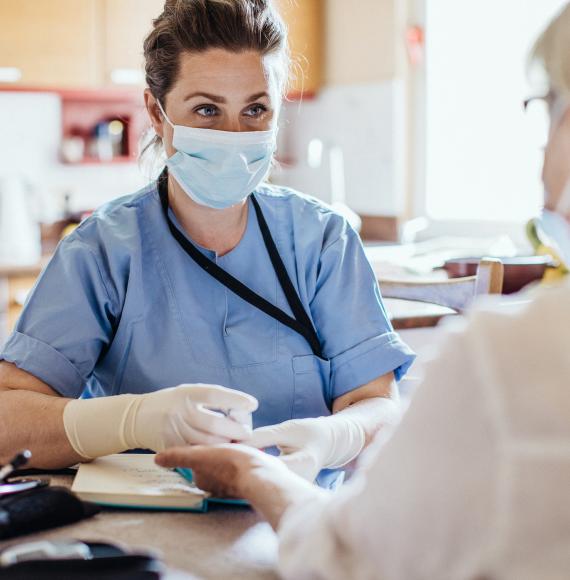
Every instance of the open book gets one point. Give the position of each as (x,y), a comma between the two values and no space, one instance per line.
(135,481)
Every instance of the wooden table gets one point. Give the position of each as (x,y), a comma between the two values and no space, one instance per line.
(406,314)
(226,542)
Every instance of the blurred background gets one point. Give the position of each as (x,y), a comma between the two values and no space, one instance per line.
(405,114)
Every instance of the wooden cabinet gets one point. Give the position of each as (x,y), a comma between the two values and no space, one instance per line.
(50,42)
(125,26)
(95,43)
(75,43)
(305,20)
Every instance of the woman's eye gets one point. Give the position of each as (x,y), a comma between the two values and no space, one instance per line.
(207,110)
(256,110)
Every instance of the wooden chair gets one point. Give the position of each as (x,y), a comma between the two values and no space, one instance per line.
(444,296)
(455,293)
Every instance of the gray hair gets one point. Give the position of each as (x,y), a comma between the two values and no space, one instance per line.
(552,53)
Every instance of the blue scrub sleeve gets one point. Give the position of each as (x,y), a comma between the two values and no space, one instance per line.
(66,322)
(355,332)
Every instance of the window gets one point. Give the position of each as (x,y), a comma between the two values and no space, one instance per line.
(483,155)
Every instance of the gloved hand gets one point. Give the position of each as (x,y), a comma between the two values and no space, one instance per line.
(180,415)
(309,445)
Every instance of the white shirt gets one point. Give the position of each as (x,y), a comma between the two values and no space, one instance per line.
(475,482)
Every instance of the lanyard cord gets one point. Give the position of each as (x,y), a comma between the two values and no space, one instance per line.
(300,324)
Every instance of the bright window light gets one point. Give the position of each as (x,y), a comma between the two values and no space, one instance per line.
(483,154)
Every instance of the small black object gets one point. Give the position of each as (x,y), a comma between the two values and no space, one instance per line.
(16,462)
(30,472)
(300,323)
(108,561)
(40,509)
(21,459)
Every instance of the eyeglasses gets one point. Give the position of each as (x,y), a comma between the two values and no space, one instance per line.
(549,99)
(538,111)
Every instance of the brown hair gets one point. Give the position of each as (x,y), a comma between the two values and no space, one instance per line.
(199,25)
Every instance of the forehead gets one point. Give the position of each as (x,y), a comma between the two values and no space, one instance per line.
(222,72)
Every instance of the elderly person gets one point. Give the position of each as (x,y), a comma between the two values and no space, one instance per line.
(474,482)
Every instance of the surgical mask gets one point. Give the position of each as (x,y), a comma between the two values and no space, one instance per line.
(557,228)
(219,169)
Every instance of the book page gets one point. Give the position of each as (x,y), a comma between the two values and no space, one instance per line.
(132,474)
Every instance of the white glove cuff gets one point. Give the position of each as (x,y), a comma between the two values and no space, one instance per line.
(347,439)
(101,426)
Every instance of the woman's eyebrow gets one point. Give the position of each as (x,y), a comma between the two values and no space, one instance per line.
(257,96)
(215,98)
(221,100)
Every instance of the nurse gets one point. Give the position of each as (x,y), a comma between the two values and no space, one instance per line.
(231,292)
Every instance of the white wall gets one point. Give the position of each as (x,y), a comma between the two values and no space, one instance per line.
(361,109)
(483,157)
(362,119)
(29,145)
(365,121)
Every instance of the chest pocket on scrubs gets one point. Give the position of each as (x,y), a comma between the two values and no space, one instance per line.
(250,336)
(312,396)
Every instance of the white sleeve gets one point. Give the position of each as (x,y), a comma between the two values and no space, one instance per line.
(423,505)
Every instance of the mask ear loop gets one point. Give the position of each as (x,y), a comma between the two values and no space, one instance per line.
(164,113)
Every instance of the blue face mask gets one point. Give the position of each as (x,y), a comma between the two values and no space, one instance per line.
(219,169)
(557,228)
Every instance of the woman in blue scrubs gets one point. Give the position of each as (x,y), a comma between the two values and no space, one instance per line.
(209,281)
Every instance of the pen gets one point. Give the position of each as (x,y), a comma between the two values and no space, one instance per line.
(17,461)
(236,415)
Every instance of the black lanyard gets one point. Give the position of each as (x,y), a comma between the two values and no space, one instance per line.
(301,323)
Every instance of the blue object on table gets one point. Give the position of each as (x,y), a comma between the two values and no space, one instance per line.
(188,475)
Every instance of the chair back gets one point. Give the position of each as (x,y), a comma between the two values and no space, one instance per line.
(455,293)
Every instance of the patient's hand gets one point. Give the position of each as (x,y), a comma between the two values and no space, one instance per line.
(224,470)
(233,470)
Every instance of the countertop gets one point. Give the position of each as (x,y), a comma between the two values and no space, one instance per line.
(227,542)
(10,270)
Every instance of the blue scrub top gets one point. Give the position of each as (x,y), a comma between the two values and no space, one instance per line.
(121,308)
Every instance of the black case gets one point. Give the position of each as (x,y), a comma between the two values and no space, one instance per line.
(40,509)
(108,561)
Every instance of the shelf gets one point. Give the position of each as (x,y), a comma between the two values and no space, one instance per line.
(84,109)
(95,161)
(99,95)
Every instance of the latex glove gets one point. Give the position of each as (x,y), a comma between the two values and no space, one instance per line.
(309,445)
(177,416)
